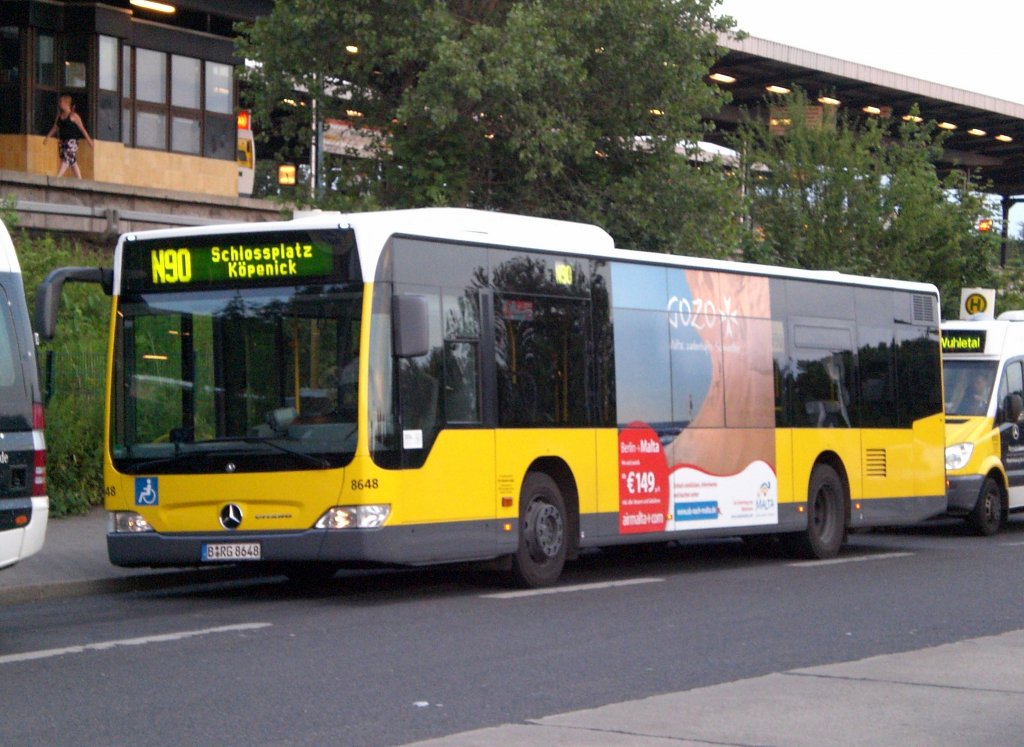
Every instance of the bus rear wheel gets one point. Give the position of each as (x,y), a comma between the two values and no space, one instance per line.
(987,515)
(826,517)
(543,540)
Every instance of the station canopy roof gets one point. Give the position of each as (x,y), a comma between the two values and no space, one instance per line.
(988,137)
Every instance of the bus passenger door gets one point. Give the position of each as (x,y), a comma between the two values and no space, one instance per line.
(1011,436)
(447,442)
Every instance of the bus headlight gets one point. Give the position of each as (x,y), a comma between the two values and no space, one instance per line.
(128,521)
(355,517)
(958,455)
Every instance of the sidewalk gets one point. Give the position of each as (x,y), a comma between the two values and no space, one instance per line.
(74,562)
(964,694)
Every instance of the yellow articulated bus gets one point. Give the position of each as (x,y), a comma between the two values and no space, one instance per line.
(443,385)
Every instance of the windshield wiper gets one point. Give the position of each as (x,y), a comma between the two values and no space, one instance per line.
(273,441)
(270,441)
(178,456)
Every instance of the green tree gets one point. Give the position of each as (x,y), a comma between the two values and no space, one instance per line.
(561,108)
(863,197)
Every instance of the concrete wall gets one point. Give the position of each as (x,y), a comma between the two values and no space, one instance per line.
(114,163)
(103,209)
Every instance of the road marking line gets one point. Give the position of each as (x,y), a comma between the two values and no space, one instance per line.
(1012,544)
(568,589)
(104,645)
(858,559)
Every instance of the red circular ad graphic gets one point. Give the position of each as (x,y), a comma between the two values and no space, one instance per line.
(643,481)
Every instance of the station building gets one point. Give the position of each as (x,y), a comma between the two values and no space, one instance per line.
(154,84)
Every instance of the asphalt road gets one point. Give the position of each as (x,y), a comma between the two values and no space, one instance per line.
(391,657)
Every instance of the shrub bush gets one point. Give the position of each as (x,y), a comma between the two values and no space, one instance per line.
(74,461)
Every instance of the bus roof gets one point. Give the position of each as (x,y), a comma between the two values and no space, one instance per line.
(373,229)
(983,338)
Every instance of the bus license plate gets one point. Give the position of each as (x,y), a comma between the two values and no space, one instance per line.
(232,551)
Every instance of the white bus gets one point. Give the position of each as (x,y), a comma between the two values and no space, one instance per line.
(24,505)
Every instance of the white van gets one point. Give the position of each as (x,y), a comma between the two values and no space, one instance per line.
(983,371)
(24,505)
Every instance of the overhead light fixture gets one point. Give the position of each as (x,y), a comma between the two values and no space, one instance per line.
(913,118)
(722,78)
(154,6)
(869,109)
(828,101)
(976,132)
(947,126)
(777,89)
(1004,138)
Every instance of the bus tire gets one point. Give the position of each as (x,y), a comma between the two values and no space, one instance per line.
(986,517)
(543,537)
(826,517)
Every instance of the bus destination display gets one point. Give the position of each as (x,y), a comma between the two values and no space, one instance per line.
(963,341)
(259,259)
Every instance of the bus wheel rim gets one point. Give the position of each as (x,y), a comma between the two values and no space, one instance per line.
(548,530)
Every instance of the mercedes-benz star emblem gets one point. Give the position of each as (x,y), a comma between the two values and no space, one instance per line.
(230,516)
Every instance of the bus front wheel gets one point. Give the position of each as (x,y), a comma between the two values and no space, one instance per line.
(987,515)
(826,517)
(543,540)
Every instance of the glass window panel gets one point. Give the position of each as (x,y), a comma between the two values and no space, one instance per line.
(126,71)
(220,137)
(76,52)
(917,365)
(126,126)
(460,314)
(219,88)
(46,71)
(151,130)
(108,116)
(151,76)
(185,135)
(108,63)
(695,358)
(74,74)
(542,363)
(184,82)
(461,389)
(643,388)
(10,55)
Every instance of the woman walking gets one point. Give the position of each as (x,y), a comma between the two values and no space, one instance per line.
(68,127)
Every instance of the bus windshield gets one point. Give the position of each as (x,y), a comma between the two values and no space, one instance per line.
(246,379)
(968,386)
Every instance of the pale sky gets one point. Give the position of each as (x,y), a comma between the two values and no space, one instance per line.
(970,45)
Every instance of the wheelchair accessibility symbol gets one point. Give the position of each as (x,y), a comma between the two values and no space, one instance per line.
(147,491)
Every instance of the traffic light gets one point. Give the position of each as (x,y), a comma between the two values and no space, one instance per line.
(286,174)
(985,225)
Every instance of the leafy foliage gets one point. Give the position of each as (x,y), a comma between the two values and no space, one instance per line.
(74,442)
(559,108)
(865,198)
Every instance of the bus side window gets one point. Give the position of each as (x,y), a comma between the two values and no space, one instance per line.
(1012,382)
(461,318)
(823,377)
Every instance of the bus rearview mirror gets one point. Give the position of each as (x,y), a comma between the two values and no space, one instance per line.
(48,293)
